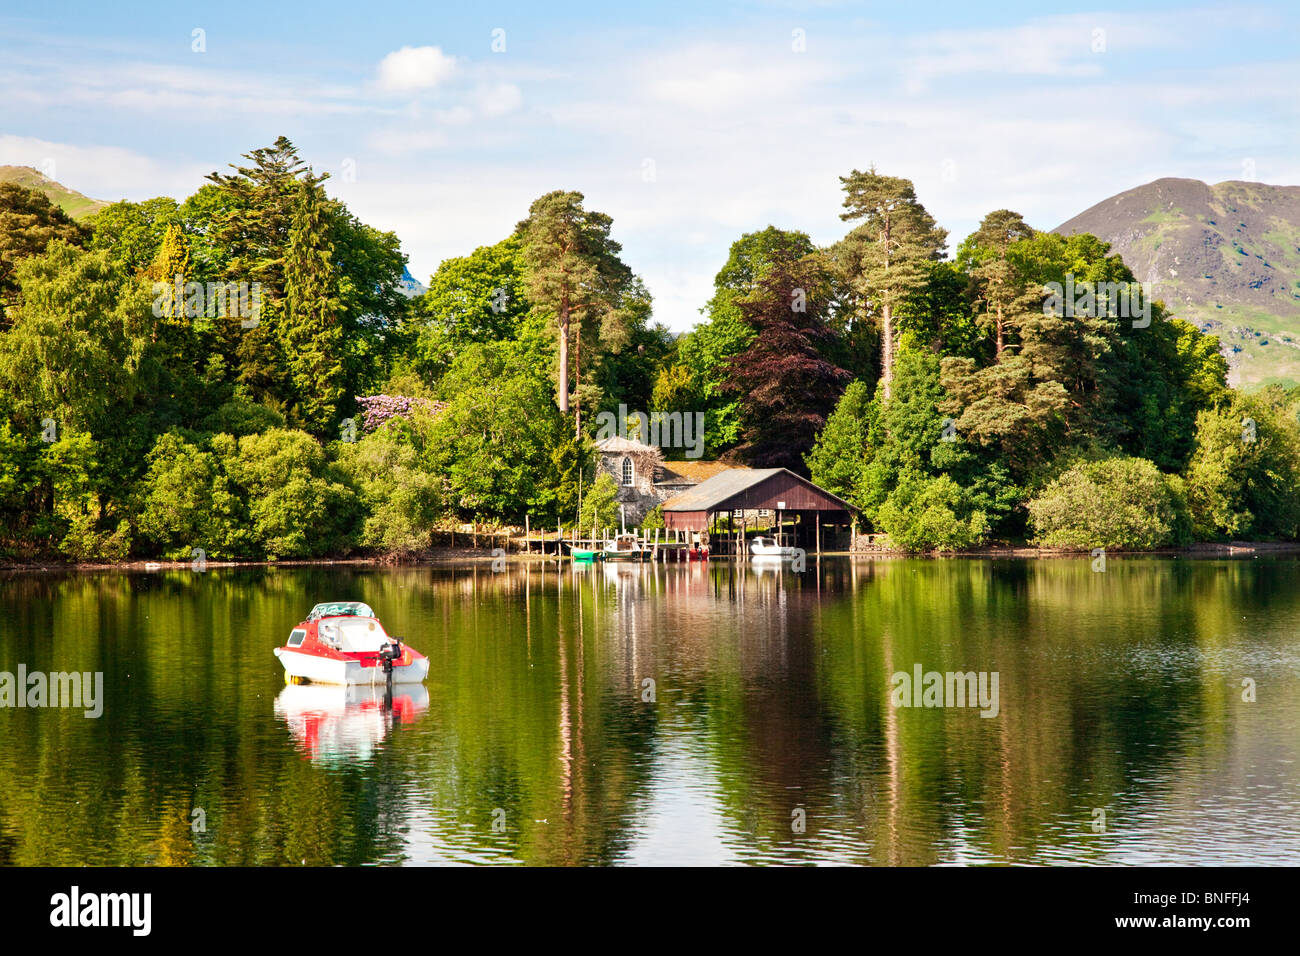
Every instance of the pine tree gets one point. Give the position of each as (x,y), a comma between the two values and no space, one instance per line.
(573,268)
(312,333)
(1005,293)
(259,206)
(172,268)
(890,252)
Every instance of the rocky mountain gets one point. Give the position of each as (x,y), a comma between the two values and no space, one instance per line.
(69,200)
(1224,257)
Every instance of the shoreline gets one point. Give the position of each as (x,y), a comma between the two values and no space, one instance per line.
(443,556)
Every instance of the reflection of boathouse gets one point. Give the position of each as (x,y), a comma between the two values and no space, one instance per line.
(737,501)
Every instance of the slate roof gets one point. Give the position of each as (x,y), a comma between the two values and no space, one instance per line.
(710,495)
(691,472)
(615,445)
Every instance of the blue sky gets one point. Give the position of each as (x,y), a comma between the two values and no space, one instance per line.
(689,123)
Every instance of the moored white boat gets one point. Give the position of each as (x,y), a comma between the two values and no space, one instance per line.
(344,643)
(762,547)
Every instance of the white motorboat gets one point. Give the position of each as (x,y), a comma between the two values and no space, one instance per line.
(344,643)
(763,547)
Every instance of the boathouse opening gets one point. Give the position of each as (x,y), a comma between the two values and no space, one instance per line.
(735,505)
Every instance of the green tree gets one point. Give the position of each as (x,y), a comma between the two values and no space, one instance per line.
(132,232)
(312,333)
(174,508)
(600,503)
(748,259)
(888,255)
(255,217)
(475,298)
(501,445)
(654,518)
(1004,294)
(840,453)
(298,504)
(1244,471)
(80,350)
(29,222)
(401,499)
(1005,408)
(573,269)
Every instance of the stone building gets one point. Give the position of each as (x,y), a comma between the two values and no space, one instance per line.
(644,479)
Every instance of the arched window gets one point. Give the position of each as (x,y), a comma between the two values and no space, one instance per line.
(627,471)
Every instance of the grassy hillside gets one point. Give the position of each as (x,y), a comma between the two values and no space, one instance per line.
(1226,257)
(69,200)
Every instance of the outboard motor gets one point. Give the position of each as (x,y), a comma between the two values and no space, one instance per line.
(389,653)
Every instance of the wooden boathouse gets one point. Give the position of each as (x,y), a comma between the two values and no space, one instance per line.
(736,503)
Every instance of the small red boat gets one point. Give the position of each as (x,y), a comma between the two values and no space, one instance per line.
(344,643)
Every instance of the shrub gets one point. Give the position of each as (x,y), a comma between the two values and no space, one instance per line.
(931,514)
(400,498)
(1121,503)
(175,499)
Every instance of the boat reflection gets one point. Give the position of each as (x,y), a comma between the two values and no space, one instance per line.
(332,722)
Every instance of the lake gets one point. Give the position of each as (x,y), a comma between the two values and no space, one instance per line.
(673,714)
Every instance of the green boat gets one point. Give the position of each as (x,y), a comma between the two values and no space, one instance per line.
(626,547)
(579,554)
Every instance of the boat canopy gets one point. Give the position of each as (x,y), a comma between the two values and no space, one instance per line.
(357,634)
(341,609)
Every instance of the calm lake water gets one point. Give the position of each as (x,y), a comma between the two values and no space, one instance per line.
(767,736)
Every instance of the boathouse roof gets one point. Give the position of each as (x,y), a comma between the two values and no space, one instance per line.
(737,489)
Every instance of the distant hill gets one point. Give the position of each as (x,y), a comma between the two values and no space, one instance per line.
(411,287)
(69,200)
(1224,257)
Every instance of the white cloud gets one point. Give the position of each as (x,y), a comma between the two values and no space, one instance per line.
(415,68)
(498,99)
(103,172)
(742,131)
